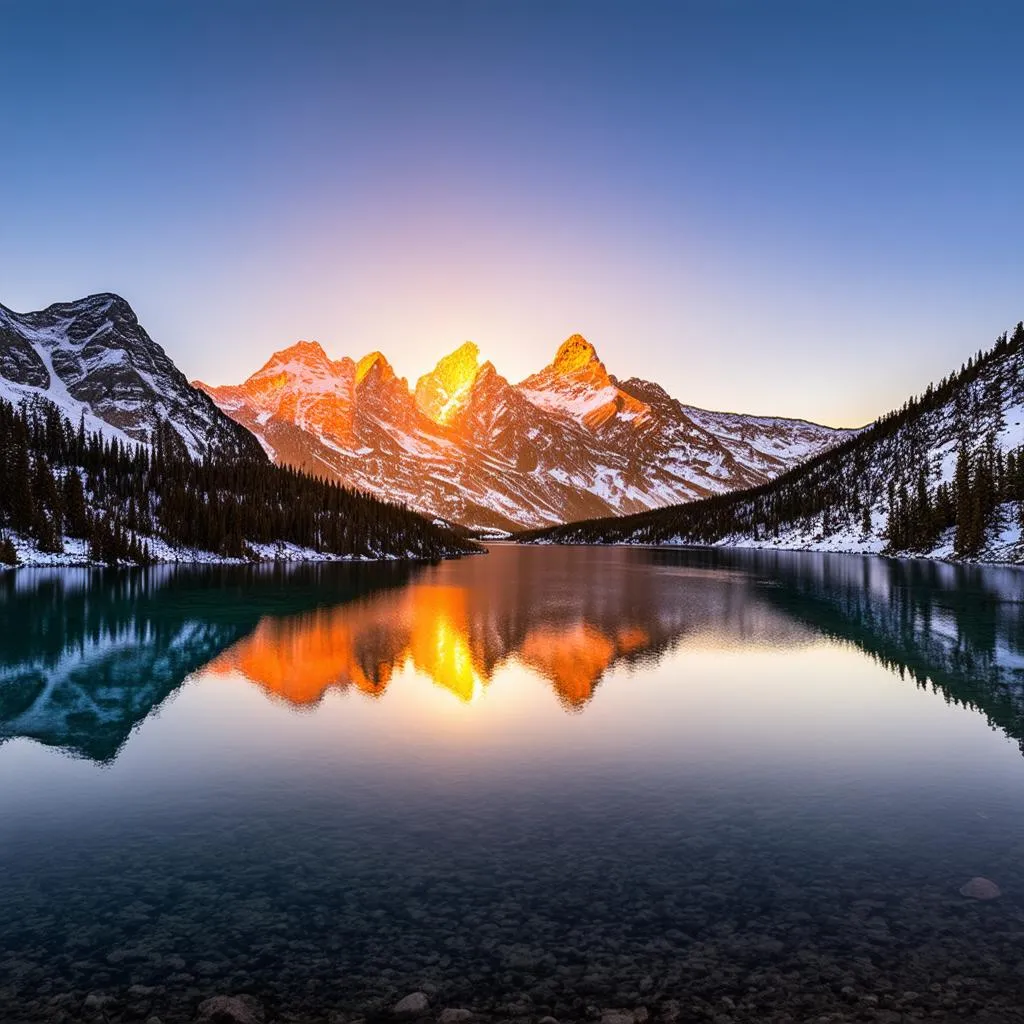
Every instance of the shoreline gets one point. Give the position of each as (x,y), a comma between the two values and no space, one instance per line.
(75,556)
(938,559)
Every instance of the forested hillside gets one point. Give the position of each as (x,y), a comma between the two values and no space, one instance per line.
(942,476)
(68,494)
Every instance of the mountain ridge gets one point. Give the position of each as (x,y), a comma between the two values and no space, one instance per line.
(468,446)
(94,361)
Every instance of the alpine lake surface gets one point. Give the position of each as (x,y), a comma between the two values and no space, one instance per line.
(677,785)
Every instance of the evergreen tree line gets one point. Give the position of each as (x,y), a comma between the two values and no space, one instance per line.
(889,467)
(59,481)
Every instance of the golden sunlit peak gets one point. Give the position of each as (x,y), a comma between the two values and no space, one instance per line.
(369,361)
(441,393)
(575,353)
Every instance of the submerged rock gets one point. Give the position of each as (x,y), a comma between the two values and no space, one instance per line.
(230,1010)
(980,889)
(414,1005)
(617,1017)
(453,1015)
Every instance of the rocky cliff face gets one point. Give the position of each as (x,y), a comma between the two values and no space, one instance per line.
(93,360)
(569,442)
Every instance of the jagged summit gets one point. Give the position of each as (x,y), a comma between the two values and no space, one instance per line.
(303,349)
(574,354)
(101,302)
(376,363)
(442,393)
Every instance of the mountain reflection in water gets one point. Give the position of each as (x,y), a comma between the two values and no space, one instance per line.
(87,655)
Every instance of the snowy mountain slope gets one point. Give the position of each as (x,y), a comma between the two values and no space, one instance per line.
(940,477)
(567,443)
(93,360)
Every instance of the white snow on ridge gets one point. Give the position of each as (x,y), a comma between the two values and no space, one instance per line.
(57,395)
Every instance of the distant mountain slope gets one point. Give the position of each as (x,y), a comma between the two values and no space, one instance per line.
(569,442)
(943,476)
(92,359)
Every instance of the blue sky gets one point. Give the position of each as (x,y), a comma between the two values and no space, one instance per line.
(808,209)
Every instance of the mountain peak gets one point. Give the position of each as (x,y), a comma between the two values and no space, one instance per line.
(371,360)
(441,393)
(575,353)
(304,350)
(298,360)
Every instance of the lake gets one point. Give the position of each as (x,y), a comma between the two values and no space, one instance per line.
(732,786)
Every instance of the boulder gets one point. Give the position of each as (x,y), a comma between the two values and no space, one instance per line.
(980,889)
(416,1004)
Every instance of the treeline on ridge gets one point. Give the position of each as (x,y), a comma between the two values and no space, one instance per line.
(59,481)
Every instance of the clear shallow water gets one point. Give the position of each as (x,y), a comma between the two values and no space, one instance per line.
(743,785)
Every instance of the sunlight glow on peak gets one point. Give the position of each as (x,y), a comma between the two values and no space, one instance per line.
(368,362)
(575,353)
(443,392)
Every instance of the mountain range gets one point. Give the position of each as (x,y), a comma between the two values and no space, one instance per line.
(942,477)
(569,442)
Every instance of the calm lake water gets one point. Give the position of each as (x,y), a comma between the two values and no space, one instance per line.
(725,786)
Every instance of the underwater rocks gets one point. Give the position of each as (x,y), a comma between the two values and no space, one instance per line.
(230,1010)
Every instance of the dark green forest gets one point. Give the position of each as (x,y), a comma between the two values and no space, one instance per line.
(60,481)
(883,481)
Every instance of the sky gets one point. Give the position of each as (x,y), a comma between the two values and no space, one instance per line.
(797,208)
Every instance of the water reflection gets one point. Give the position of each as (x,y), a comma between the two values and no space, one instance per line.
(567,618)
(956,629)
(87,655)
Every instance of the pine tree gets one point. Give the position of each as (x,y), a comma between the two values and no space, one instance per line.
(8,554)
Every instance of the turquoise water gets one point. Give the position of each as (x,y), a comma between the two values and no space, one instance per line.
(740,785)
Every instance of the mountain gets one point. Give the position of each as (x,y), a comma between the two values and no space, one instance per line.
(465,445)
(943,477)
(108,454)
(93,360)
